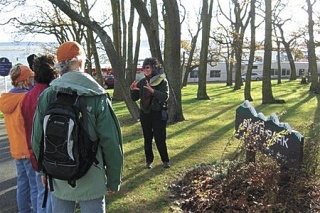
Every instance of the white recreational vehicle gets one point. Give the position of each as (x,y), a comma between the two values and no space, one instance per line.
(218,72)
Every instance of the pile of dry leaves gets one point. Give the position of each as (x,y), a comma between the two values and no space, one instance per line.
(245,188)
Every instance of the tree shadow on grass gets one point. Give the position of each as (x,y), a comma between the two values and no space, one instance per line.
(138,177)
(135,178)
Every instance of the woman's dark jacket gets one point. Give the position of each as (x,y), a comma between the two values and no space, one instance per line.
(160,95)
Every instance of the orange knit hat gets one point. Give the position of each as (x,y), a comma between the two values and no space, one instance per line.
(69,50)
(25,73)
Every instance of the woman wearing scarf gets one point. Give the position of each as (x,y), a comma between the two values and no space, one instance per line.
(153,92)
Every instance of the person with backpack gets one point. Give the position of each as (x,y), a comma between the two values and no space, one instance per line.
(11,107)
(43,67)
(153,92)
(75,124)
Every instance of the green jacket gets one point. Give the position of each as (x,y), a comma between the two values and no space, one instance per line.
(104,125)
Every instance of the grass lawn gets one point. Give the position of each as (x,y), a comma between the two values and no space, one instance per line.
(201,138)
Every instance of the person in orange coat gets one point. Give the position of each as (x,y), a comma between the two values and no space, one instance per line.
(11,107)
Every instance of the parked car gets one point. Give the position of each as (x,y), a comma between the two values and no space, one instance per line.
(109,81)
(254,76)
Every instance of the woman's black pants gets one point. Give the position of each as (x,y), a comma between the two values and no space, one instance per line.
(154,127)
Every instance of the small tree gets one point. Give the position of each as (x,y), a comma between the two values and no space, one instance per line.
(206,15)
(311,49)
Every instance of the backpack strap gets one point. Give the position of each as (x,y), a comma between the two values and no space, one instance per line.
(46,188)
(50,183)
(45,196)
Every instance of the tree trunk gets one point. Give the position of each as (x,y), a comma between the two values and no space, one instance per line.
(293,74)
(229,67)
(247,87)
(312,59)
(206,16)
(151,29)
(240,26)
(91,44)
(172,59)
(238,54)
(131,67)
(279,62)
(117,38)
(189,66)
(267,96)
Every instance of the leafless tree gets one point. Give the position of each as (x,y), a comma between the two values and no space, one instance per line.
(51,21)
(191,63)
(206,16)
(221,35)
(288,44)
(239,26)
(191,49)
(313,70)
(133,53)
(151,28)
(118,33)
(247,87)
(171,18)
(112,53)
(267,95)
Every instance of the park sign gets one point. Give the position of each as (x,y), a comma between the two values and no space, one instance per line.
(270,136)
(5,66)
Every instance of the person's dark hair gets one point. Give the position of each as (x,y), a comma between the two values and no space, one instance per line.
(44,69)
(30,60)
(154,63)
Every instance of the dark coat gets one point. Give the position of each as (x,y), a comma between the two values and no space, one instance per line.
(160,96)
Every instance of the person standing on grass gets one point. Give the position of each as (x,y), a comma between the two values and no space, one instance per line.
(11,107)
(153,92)
(105,177)
(43,67)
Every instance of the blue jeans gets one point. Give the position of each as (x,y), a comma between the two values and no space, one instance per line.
(26,187)
(41,189)
(88,206)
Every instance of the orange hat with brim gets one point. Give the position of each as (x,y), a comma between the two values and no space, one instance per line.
(69,50)
(25,73)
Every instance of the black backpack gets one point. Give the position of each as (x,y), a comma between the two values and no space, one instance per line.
(67,151)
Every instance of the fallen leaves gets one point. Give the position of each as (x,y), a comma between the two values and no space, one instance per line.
(244,188)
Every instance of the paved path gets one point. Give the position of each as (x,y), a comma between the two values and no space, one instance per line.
(8,175)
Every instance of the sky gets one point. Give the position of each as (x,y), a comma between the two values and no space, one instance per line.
(294,12)
(6,31)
